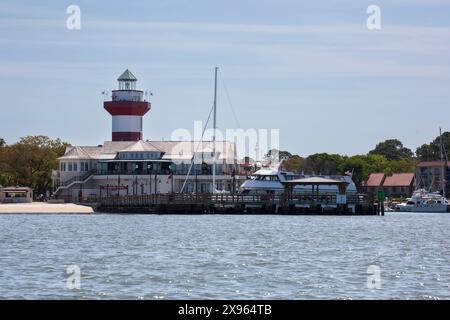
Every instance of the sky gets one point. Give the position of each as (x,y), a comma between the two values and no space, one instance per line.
(311,69)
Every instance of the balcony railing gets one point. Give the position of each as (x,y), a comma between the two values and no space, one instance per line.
(159,172)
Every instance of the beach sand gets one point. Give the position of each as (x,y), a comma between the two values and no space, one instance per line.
(43,207)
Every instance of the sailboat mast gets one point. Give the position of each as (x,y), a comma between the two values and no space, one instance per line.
(443,182)
(214,130)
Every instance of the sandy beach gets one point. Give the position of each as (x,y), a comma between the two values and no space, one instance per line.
(44,208)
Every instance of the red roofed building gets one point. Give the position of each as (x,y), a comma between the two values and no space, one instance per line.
(374,183)
(399,185)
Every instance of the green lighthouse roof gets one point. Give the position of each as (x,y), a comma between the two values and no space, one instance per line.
(127,76)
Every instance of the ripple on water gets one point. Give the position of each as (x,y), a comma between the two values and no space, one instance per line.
(224,257)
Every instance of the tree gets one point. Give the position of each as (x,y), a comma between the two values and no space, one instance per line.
(363,165)
(324,163)
(30,162)
(432,151)
(2,142)
(392,149)
(295,163)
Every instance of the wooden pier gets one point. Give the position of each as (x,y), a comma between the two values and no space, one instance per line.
(184,203)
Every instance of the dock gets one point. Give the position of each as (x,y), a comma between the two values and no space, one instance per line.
(184,203)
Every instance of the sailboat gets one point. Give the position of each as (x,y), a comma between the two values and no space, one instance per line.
(426,201)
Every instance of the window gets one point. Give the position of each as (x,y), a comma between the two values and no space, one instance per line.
(75,166)
(70,166)
(84,166)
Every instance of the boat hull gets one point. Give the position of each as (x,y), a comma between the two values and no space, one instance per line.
(423,208)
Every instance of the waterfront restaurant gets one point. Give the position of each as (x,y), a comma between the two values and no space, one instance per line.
(130,165)
(145,167)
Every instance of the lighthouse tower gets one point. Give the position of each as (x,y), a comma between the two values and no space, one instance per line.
(127,109)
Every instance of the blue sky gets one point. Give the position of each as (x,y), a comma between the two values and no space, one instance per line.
(311,69)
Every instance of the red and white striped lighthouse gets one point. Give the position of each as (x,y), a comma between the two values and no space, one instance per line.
(127,109)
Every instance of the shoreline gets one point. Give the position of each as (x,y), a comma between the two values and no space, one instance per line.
(44,208)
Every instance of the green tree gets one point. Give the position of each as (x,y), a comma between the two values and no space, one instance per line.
(324,163)
(400,166)
(30,162)
(2,142)
(294,163)
(363,165)
(392,149)
(432,151)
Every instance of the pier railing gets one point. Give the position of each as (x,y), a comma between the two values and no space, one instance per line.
(226,199)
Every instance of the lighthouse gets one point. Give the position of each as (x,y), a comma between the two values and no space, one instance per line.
(127,108)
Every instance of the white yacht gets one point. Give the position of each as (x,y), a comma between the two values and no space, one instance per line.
(424,201)
(268,181)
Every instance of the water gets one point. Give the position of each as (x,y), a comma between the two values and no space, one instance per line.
(224,256)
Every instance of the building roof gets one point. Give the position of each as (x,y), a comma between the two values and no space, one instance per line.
(434,163)
(80,153)
(315,181)
(140,146)
(171,150)
(127,76)
(374,180)
(399,180)
(266,171)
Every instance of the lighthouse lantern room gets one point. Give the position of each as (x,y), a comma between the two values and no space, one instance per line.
(127,108)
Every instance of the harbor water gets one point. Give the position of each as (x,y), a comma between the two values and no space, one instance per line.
(398,256)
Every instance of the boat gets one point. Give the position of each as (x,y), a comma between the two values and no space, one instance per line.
(269,180)
(424,201)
